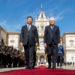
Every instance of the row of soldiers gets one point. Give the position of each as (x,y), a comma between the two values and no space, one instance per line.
(10,57)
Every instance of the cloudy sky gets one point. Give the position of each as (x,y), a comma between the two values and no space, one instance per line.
(14,12)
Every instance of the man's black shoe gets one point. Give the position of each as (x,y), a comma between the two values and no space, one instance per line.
(49,67)
(53,67)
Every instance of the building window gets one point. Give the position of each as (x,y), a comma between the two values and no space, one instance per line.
(71,42)
(12,41)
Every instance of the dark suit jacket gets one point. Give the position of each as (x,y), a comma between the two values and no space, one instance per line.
(52,36)
(30,36)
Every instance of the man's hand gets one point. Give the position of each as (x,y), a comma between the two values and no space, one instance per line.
(21,43)
(45,53)
(45,45)
(37,44)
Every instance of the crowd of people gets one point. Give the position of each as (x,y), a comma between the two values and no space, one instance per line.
(10,57)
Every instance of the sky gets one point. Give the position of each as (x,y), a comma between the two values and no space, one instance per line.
(14,12)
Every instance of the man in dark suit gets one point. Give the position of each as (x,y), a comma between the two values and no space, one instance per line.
(51,40)
(29,39)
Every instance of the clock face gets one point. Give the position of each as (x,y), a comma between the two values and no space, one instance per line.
(70,41)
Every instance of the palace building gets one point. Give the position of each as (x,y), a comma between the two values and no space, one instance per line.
(10,38)
(69,46)
(40,23)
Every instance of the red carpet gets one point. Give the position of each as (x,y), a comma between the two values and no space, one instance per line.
(40,71)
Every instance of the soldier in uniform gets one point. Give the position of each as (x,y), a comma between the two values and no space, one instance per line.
(60,55)
(15,60)
(1,57)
